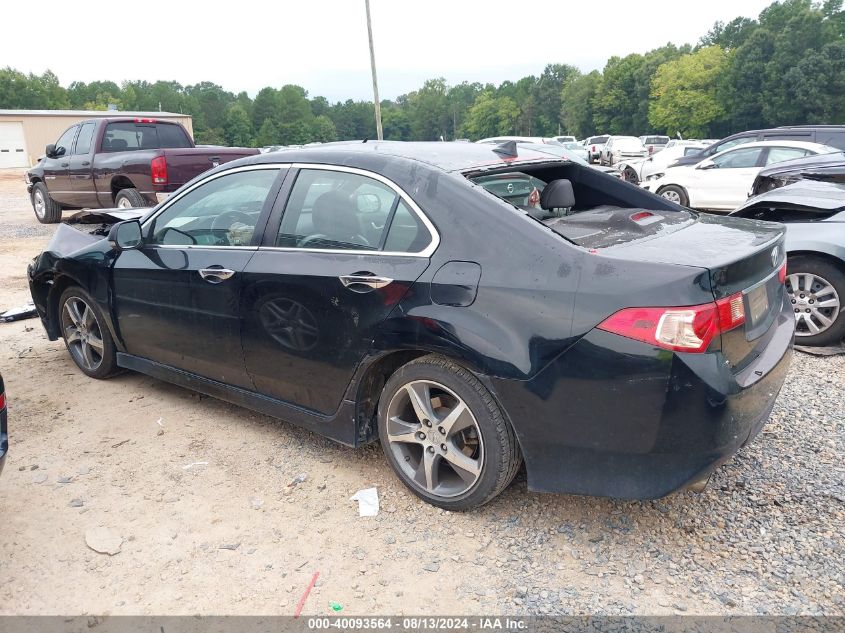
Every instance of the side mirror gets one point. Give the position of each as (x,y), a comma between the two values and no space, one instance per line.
(125,235)
(706,164)
(50,151)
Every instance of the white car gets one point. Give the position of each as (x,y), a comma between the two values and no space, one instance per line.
(619,148)
(723,181)
(653,167)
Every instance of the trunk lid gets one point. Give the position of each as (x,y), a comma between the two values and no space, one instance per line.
(184,164)
(740,256)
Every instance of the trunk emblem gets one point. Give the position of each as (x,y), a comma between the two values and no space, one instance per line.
(775,256)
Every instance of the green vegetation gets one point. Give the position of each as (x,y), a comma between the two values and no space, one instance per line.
(785,67)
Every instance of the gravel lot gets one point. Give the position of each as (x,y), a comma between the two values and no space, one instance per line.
(200,497)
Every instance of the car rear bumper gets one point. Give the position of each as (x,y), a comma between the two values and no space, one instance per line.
(619,418)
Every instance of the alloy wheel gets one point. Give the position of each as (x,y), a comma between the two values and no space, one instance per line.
(38,203)
(82,333)
(671,196)
(435,438)
(814,301)
(124,203)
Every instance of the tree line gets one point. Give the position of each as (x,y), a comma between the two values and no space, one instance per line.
(785,67)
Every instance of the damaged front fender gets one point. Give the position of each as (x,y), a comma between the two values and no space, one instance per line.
(73,257)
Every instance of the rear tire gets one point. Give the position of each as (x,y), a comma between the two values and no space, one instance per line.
(86,335)
(130,199)
(815,279)
(47,210)
(674,193)
(445,436)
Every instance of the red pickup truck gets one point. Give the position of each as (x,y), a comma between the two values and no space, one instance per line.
(118,162)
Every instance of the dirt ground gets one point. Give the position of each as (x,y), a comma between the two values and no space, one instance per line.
(200,493)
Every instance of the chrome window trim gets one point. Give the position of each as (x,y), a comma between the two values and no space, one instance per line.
(426,252)
(413,206)
(174,198)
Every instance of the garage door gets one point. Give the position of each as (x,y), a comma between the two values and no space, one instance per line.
(12,146)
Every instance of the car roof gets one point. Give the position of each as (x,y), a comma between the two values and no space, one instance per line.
(450,156)
(776,143)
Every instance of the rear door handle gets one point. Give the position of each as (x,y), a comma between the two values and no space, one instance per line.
(214,274)
(65,164)
(364,281)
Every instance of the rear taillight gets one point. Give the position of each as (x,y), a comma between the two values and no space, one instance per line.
(158,170)
(683,329)
(2,401)
(782,273)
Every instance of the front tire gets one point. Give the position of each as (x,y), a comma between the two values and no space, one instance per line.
(130,199)
(86,335)
(47,210)
(444,435)
(674,193)
(816,289)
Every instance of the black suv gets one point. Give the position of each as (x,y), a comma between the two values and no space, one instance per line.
(833,135)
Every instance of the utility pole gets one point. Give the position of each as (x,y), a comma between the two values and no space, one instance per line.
(376,102)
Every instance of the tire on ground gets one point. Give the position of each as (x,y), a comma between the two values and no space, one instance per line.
(132,197)
(682,195)
(52,210)
(108,365)
(501,454)
(835,276)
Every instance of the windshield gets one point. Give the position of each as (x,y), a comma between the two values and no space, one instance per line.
(517,188)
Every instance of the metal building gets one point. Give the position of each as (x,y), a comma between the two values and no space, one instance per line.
(25,133)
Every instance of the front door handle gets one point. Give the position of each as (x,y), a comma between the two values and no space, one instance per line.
(215,274)
(65,164)
(364,281)
(86,163)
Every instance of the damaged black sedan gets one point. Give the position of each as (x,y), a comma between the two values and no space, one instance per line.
(471,307)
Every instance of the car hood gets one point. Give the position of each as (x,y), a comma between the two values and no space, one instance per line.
(808,194)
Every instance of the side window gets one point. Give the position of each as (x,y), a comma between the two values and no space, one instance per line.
(778,154)
(407,233)
(126,137)
(220,212)
(65,141)
(336,210)
(721,147)
(83,141)
(739,158)
(172,135)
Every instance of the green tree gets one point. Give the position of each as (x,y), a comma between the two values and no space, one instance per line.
(268,133)
(237,127)
(577,104)
(323,129)
(684,93)
(429,112)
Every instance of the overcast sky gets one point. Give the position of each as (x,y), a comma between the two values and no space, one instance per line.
(322,44)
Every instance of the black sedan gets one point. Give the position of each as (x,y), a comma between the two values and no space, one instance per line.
(469,306)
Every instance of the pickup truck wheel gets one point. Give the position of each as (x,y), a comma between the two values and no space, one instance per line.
(47,210)
(130,199)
